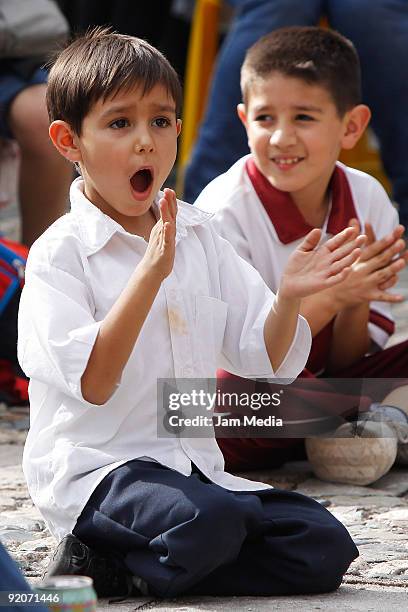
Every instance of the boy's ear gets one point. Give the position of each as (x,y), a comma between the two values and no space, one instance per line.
(178,127)
(242,113)
(356,121)
(64,140)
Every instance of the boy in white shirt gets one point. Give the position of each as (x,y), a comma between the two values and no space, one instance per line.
(130,287)
(301,106)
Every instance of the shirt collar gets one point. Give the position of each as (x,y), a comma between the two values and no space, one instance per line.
(97,228)
(288,221)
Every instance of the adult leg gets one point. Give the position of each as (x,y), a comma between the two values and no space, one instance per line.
(299,547)
(379,31)
(222,139)
(45,175)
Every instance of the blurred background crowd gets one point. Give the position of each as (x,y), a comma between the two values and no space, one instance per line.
(206,41)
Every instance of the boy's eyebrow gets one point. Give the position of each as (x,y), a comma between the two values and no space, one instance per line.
(309,109)
(113,110)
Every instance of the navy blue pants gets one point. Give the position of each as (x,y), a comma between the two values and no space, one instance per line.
(187,535)
(11,579)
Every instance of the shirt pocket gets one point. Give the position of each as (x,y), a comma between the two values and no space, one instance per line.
(210,322)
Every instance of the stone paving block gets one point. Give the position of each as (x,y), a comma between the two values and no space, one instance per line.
(15,534)
(46,544)
(319,488)
(347,598)
(11,475)
(350,515)
(29,520)
(383,501)
(398,567)
(6,503)
(398,515)
(377,553)
(10,454)
(11,436)
(395,482)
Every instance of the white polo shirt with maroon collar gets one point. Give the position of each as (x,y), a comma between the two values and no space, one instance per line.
(265,226)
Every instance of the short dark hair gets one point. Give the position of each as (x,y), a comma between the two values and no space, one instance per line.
(315,55)
(96,66)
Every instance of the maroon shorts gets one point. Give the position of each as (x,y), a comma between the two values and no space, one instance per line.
(308,401)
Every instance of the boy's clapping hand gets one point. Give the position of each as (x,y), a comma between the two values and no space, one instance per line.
(311,268)
(159,256)
(375,271)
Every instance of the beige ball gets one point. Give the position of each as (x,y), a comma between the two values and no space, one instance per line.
(359,460)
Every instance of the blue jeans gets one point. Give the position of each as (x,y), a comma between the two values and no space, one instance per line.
(379,30)
(12,580)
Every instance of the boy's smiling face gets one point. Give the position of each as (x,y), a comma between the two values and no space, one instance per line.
(126,150)
(295,135)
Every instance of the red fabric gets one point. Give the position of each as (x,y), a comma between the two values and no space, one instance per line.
(18,248)
(21,389)
(319,352)
(288,221)
(13,388)
(368,380)
(6,376)
(383,322)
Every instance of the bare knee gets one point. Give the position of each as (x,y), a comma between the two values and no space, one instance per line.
(29,122)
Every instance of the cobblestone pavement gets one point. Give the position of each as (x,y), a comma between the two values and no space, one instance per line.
(377,517)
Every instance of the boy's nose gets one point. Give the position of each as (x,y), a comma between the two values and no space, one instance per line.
(144,143)
(283,137)
(145,147)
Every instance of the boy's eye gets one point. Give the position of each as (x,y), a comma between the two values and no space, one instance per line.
(303,117)
(119,124)
(265,118)
(161,122)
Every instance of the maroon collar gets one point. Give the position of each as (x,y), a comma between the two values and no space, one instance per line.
(287,219)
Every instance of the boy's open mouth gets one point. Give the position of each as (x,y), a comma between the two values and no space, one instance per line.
(142,180)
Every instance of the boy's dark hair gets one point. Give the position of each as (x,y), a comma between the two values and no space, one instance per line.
(315,55)
(99,64)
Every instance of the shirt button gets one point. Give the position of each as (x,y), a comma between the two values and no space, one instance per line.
(187,371)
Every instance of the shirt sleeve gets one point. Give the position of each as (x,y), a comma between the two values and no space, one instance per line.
(56,328)
(249,302)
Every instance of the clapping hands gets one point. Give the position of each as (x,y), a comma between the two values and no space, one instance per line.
(312,268)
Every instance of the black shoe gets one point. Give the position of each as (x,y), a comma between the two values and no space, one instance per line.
(110,577)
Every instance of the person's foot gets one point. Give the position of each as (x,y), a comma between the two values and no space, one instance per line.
(72,557)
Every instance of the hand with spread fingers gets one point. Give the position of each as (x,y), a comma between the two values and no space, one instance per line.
(375,271)
(312,268)
(160,253)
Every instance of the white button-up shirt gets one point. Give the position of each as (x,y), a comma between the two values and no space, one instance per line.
(209,312)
